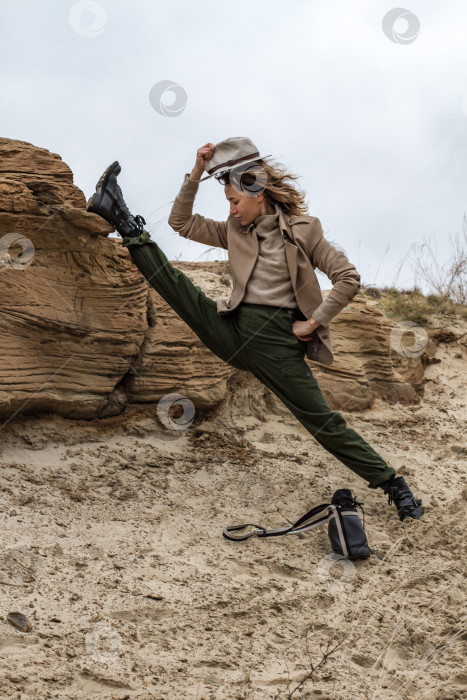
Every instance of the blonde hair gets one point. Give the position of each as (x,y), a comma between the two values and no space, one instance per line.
(270,179)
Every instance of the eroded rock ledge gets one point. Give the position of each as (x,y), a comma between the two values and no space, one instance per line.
(82,333)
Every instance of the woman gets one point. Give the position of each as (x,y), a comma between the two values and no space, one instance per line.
(276,313)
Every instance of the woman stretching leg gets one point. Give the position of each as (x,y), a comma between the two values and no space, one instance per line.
(262,328)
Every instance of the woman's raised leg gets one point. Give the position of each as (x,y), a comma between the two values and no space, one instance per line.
(217,332)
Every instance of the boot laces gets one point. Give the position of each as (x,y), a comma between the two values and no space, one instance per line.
(396,495)
(122,204)
(392,493)
(139,220)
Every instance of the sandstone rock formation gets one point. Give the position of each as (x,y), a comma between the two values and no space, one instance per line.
(82,333)
(365,365)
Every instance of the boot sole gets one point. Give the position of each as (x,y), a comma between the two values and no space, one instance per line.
(96,199)
(416,515)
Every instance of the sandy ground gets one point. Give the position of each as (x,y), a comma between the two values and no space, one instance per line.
(112,547)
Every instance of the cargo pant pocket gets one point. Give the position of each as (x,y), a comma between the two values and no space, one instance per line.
(295,369)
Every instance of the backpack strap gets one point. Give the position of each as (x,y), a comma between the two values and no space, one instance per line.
(315,517)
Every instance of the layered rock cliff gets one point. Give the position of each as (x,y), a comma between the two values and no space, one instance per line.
(82,334)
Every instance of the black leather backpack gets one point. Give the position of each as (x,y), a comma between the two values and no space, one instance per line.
(345,528)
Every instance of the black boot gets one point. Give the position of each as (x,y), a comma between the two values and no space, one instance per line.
(108,202)
(403,498)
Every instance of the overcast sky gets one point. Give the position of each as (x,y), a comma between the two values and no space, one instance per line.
(376,127)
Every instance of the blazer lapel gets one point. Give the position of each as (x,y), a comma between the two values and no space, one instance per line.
(243,254)
(291,249)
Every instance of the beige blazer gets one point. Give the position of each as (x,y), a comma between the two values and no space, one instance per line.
(306,248)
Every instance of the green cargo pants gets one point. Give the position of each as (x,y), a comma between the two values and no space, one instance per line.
(259,339)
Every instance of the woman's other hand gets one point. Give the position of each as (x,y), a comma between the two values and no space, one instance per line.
(204,153)
(304,329)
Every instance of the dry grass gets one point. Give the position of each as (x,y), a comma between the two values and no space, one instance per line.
(446,280)
(412,305)
(446,283)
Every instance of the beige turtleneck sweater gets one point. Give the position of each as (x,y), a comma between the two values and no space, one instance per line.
(270,282)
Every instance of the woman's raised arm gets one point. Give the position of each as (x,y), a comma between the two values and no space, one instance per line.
(194,226)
